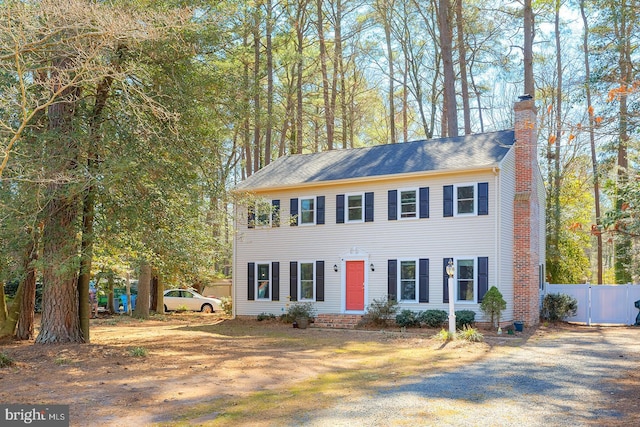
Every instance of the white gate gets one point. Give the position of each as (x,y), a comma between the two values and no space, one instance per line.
(601,304)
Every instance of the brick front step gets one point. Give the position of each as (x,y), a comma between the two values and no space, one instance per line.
(337,321)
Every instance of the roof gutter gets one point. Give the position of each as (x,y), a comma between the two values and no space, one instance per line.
(315,184)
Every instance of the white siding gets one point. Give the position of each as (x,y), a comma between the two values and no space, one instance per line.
(507,194)
(376,242)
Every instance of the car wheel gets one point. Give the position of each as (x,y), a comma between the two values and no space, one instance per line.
(165,308)
(206,308)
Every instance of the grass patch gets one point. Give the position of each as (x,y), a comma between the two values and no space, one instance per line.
(138,352)
(5,360)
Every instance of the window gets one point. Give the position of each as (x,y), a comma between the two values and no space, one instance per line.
(307,281)
(407,281)
(354,208)
(307,211)
(263,282)
(465,200)
(407,202)
(465,280)
(264,213)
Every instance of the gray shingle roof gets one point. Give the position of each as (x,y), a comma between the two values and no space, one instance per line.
(463,152)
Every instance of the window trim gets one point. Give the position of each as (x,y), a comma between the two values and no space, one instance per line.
(475,280)
(346,208)
(257,280)
(416,212)
(315,210)
(475,199)
(314,277)
(416,280)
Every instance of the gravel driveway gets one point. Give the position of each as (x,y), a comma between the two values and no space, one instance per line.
(560,380)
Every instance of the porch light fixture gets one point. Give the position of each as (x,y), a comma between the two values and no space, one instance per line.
(372,267)
(335,267)
(452,313)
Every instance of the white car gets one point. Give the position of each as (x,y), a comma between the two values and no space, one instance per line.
(179,299)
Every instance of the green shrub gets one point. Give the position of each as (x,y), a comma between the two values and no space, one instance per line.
(5,360)
(492,305)
(465,318)
(433,318)
(298,310)
(407,318)
(557,307)
(379,312)
(226,304)
(265,316)
(470,334)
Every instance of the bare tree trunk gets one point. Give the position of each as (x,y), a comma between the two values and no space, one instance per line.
(25,328)
(446,46)
(269,125)
(257,44)
(463,69)
(557,177)
(246,138)
(594,160)
(159,295)
(386,9)
(8,327)
(328,110)
(144,286)
(60,312)
(301,23)
(529,85)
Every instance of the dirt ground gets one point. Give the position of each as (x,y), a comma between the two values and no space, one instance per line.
(145,372)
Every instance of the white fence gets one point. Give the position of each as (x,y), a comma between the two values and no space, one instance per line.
(601,304)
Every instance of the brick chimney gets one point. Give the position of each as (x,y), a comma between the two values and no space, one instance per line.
(527,216)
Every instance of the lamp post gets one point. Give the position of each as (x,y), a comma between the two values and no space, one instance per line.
(452,313)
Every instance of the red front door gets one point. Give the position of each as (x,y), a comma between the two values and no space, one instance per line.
(355,285)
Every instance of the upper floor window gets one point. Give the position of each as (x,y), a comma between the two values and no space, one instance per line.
(307,210)
(264,213)
(408,203)
(355,207)
(466,199)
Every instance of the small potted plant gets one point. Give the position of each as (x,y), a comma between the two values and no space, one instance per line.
(301,314)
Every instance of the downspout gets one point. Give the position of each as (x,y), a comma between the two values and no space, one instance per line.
(498,213)
(234,254)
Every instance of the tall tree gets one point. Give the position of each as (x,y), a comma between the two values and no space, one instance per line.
(450,113)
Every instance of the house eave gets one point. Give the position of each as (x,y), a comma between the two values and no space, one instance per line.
(368,179)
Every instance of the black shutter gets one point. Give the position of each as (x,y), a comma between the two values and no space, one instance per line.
(424,202)
(293,211)
(275,281)
(447,198)
(251,216)
(340,209)
(368,207)
(483,277)
(423,282)
(275,213)
(319,280)
(392,279)
(393,205)
(445,285)
(483,198)
(251,290)
(293,281)
(320,210)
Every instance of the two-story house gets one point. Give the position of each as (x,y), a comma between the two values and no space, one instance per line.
(344,227)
